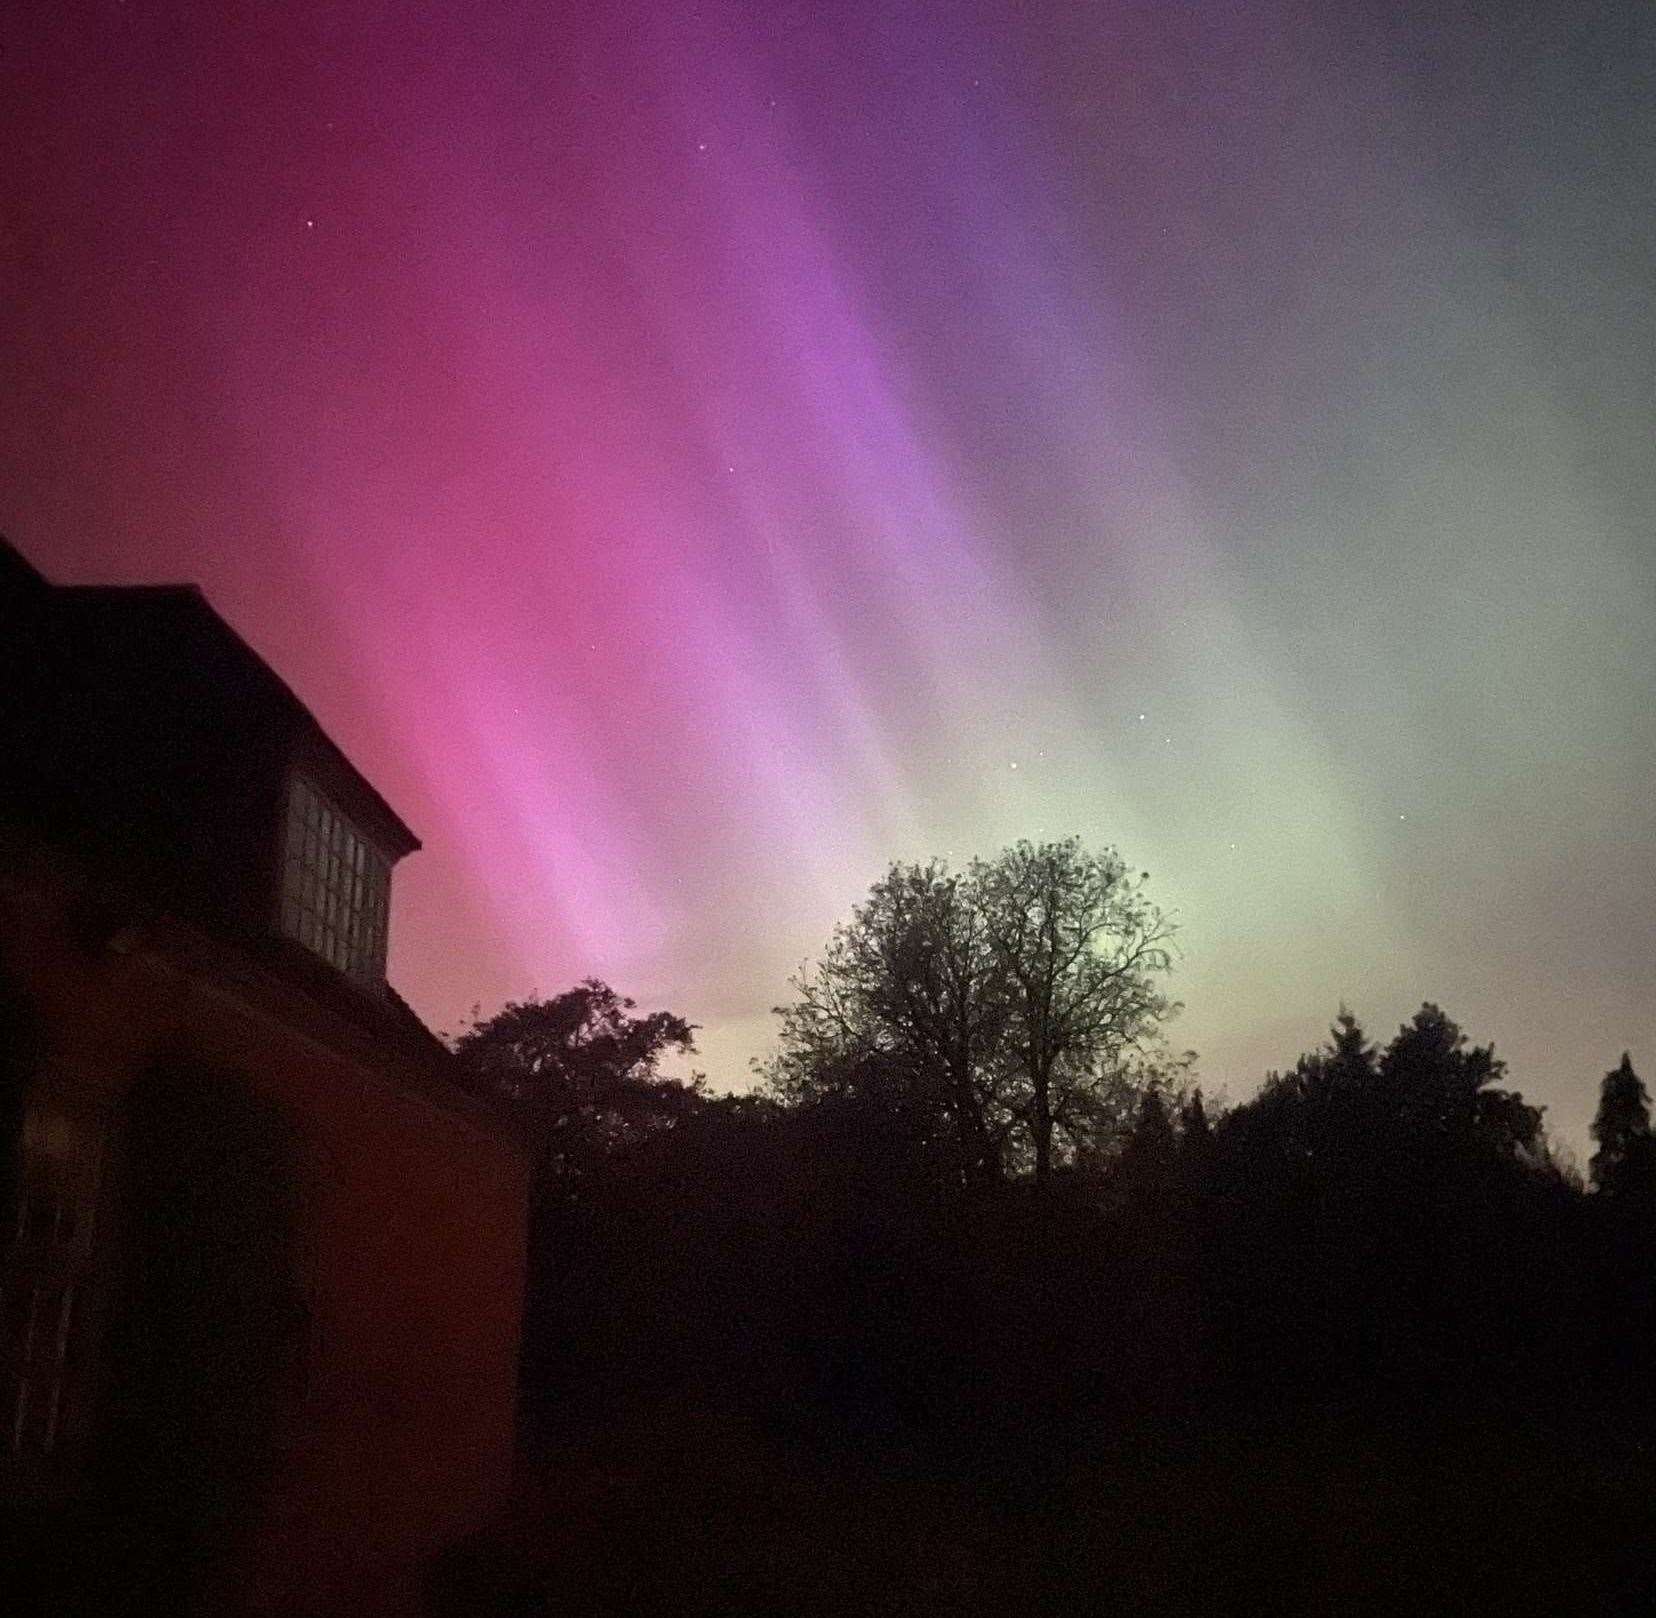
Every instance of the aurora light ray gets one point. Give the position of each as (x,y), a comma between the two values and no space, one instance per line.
(690,458)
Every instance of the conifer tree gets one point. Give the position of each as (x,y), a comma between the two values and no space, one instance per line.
(1622,1129)
(1195,1132)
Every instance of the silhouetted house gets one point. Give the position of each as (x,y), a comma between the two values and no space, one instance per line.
(262,1285)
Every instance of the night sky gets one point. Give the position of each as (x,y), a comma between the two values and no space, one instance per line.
(692,455)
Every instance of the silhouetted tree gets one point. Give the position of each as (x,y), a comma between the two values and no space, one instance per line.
(1017,1006)
(1425,1095)
(1389,1219)
(1370,1271)
(907,1007)
(1626,1155)
(1195,1135)
(580,1073)
(1624,1178)
(1330,1097)
(1150,1156)
(1080,951)
(1445,1093)
(1193,1119)
(1348,1064)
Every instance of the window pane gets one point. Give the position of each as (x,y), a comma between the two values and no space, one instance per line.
(334,886)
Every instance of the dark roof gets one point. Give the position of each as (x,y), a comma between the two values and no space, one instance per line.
(140,733)
(17,572)
(192,615)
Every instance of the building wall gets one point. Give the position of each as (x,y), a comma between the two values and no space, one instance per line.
(384,1430)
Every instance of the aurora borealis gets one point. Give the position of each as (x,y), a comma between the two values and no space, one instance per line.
(690,456)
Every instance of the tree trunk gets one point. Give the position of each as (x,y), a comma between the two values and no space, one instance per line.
(1043,1129)
(982,1164)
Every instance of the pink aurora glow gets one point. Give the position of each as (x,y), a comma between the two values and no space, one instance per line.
(689,458)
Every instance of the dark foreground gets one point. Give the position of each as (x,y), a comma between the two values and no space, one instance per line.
(693,1510)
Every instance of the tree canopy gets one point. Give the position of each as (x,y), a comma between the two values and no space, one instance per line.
(1013,1011)
(1428,1096)
(580,1073)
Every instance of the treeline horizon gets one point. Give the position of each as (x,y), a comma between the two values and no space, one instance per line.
(979,1257)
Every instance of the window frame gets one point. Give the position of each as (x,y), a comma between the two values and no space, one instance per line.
(334,884)
(47,1248)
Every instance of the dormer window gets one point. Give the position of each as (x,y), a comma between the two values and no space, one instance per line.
(336,886)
